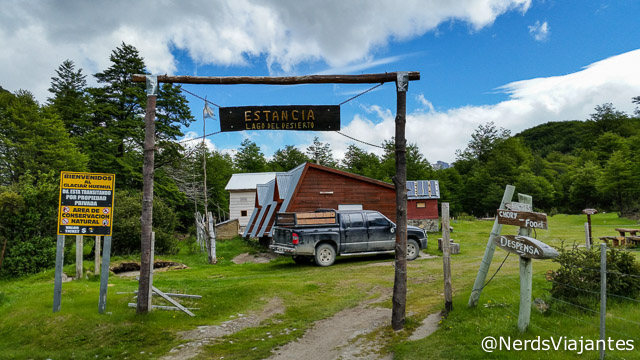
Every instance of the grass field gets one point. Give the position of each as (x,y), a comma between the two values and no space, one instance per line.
(29,329)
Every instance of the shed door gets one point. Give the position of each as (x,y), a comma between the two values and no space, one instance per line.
(380,236)
(355,233)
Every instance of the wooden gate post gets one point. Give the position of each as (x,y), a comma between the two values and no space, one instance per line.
(147,195)
(400,179)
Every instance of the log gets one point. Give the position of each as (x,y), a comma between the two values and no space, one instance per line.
(282,80)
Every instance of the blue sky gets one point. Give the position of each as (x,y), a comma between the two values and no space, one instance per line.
(518,63)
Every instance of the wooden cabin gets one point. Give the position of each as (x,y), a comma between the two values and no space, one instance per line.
(242,190)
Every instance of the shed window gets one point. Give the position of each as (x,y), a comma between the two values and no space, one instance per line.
(421,204)
(243,212)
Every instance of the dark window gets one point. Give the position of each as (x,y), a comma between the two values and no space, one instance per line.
(243,212)
(356,220)
(377,220)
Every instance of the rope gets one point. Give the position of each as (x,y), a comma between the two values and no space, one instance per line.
(364,142)
(362,93)
(199,137)
(199,97)
(494,274)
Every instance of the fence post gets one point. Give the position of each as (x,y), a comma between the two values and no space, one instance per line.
(79,256)
(96,266)
(446,259)
(57,282)
(603,294)
(587,240)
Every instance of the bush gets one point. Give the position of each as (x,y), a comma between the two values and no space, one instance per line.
(28,216)
(28,257)
(578,278)
(127,229)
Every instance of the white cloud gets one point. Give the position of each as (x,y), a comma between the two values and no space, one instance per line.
(540,32)
(531,102)
(36,37)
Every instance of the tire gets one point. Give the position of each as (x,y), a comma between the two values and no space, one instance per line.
(301,260)
(413,249)
(325,255)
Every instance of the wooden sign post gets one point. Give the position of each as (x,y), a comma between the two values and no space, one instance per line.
(589,212)
(85,208)
(478,285)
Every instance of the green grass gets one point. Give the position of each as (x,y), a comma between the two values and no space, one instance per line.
(29,328)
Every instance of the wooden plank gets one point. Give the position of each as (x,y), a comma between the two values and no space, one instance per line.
(522,219)
(282,80)
(314,215)
(169,299)
(161,307)
(316,221)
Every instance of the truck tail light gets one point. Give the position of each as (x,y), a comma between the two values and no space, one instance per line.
(295,239)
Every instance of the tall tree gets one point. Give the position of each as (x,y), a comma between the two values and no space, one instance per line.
(249,158)
(484,139)
(33,139)
(287,159)
(418,168)
(320,153)
(358,161)
(118,117)
(70,100)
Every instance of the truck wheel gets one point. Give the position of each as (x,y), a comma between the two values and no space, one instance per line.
(413,249)
(325,255)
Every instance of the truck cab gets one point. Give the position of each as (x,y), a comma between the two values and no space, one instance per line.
(322,235)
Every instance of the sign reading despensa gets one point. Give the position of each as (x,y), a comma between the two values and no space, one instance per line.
(86,203)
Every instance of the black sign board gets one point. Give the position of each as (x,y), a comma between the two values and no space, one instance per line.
(288,117)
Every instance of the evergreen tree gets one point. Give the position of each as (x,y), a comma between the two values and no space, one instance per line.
(483,140)
(320,153)
(418,168)
(117,138)
(70,100)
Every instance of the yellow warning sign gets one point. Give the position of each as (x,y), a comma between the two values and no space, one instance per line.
(86,203)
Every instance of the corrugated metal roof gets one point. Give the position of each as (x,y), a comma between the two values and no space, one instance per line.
(248,181)
(423,189)
(291,187)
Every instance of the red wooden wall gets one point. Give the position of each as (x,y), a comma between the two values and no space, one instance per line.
(430,211)
(346,190)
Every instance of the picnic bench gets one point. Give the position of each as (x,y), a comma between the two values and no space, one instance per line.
(623,239)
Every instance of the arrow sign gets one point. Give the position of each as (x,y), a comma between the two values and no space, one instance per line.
(523,219)
(526,247)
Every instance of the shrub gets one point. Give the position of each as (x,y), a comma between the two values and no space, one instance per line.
(127,228)
(28,216)
(578,278)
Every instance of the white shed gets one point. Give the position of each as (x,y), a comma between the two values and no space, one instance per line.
(242,194)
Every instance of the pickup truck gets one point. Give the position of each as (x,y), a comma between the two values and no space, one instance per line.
(322,235)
